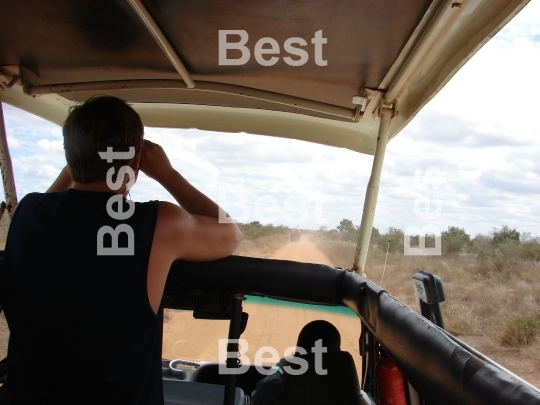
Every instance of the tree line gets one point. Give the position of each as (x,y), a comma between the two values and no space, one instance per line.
(504,241)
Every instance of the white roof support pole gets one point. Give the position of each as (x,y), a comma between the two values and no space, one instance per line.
(165,46)
(372,191)
(8,179)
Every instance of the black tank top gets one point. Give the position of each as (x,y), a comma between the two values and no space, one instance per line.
(82,330)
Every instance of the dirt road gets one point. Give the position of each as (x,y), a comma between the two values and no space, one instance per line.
(302,251)
(271,323)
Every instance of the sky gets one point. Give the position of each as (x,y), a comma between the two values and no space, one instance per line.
(470,158)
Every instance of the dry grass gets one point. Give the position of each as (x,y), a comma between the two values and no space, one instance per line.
(483,296)
(521,331)
(341,254)
(492,302)
(260,240)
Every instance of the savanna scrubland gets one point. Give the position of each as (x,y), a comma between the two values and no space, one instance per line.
(492,281)
(492,284)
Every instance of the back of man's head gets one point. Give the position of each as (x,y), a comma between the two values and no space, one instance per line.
(316,330)
(92,127)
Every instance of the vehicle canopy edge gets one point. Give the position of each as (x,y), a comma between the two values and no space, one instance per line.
(437,48)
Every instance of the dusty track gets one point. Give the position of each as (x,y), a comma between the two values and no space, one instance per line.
(302,251)
(269,323)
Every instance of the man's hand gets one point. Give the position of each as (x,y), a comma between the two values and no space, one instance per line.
(154,162)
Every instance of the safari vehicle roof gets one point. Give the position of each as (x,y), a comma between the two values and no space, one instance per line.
(405,50)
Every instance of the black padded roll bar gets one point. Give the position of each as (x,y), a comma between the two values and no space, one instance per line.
(293,281)
(443,370)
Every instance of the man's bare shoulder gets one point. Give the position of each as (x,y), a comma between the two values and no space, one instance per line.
(170,210)
(170,219)
(193,237)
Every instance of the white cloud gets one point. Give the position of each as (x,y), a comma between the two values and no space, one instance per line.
(13,142)
(46,145)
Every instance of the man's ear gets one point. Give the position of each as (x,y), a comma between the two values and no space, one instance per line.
(135,164)
(136,161)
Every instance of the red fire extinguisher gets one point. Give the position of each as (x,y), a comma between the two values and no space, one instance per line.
(390,382)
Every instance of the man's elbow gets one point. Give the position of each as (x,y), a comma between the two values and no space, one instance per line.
(233,238)
(237,237)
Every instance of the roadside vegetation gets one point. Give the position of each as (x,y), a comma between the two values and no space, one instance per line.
(260,240)
(492,282)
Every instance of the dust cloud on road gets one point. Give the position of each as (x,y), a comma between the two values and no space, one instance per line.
(302,251)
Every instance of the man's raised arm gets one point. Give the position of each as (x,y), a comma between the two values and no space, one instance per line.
(193,230)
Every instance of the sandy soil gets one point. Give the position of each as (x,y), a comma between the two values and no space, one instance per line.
(270,323)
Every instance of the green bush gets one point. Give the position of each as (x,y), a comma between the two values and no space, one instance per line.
(504,235)
(255,230)
(504,251)
(455,240)
(521,330)
(395,237)
(348,231)
(530,246)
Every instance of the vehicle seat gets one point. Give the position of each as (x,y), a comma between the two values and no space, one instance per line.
(339,386)
(209,373)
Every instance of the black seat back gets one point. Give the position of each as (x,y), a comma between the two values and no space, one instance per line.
(339,386)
